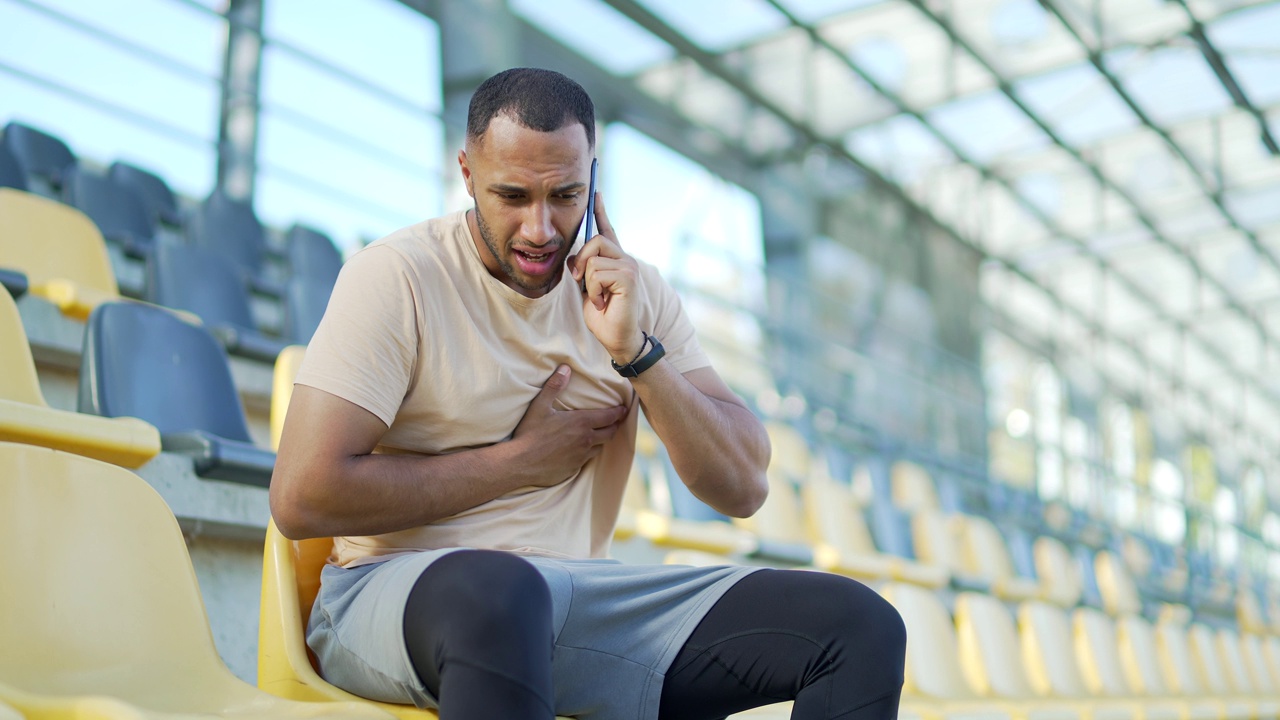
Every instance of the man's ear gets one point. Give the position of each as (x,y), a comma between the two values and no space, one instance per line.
(466,173)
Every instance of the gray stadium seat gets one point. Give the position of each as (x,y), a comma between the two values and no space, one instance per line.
(230,227)
(143,361)
(306,299)
(206,283)
(160,202)
(44,159)
(115,209)
(15,281)
(11,174)
(312,254)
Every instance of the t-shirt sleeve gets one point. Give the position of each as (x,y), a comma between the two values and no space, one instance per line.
(366,348)
(670,324)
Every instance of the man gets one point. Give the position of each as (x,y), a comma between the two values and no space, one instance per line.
(463,424)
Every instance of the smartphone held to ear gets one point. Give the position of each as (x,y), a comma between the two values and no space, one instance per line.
(589,221)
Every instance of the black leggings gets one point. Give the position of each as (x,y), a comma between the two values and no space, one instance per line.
(478,630)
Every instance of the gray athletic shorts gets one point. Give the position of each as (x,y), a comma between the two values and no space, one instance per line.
(617,629)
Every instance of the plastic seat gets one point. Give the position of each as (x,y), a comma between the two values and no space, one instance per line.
(290,583)
(912,487)
(985,554)
(107,621)
(1251,646)
(60,250)
(1116,585)
(143,361)
(845,546)
(11,174)
(306,299)
(158,200)
(937,539)
(684,533)
(116,210)
(312,254)
(286,369)
(992,655)
(25,417)
(14,282)
(1177,662)
(207,284)
(933,678)
(1060,580)
(1239,671)
(231,228)
(44,159)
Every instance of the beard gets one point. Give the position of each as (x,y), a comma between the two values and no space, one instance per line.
(540,286)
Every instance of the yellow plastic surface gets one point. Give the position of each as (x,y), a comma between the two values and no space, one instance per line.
(59,248)
(1256,663)
(286,369)
(1119,593)
(912,487)
(111,620)
(1060,580)
(985,554)
(790,457)
(936,537)
(25,417)
(710,537)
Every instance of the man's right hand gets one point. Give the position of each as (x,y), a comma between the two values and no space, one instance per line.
(557,443)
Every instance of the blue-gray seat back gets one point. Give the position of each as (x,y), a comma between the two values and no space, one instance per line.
(11,174)
(158,199)
(200,281)
(231,228)
(306,300)
(312,254)
(117,211)
(41,155)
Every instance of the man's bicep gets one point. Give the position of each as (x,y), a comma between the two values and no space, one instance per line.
(321,426)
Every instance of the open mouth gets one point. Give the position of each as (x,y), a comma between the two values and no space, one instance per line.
(534,263)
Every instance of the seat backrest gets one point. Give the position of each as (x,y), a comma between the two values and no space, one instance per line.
(990,651)
(891,528)
(912,486)
(312,254)
(1271,651)
(781,518)
(933,658)
(1256,662)
(157,198)
(1249,612)
(11,174)
(1058,572)
(1140,656)
(833,518)
(286,369)
(231,228)
(790,457)
(143,361)
(18,379)
(1212,670)
(306,299)
(1176,660)
(48,240)
(936,539)
(1089,593)
(108,598)
(1049,650)
(1115,583)
(1098,650)
(983,550)
(200,281)
(114,209)
(40,154)
(1232,662)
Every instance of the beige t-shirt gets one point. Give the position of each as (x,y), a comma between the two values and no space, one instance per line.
(418,333)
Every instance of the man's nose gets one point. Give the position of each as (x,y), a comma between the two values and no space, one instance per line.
(537,228)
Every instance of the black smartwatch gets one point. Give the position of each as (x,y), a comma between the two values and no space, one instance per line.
(643,360)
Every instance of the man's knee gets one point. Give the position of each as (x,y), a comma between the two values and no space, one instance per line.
(481,592)
(865,621)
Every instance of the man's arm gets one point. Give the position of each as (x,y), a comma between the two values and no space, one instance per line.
(328,482)
(719,449)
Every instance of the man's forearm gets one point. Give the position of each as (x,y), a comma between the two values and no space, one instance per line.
(719,449)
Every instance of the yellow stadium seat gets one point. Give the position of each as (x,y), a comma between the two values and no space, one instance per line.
(634,502)
(106,620)
(1178,663)
(60,250)
(1140,660)
(1059,660)
(791,457)
(934,685)
(844,544)
(1097,651)
(1241,676)
(1059,574)
(936,537)
(286,369)
(984,554)
(290,583)
(1249,613)
(1119,592)
(1255,659)
(912,487)
(25,417)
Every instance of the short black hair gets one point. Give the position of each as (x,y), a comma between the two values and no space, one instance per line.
(542,100)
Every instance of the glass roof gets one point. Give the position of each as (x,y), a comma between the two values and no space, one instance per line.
(1119,170)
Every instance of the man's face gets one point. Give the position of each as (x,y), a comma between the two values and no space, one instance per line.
(530,192)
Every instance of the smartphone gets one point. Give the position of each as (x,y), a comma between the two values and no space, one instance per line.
(587,232)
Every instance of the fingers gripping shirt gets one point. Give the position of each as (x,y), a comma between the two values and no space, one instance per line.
(418,333)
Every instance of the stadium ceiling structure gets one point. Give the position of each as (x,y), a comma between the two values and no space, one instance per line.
(1115,162)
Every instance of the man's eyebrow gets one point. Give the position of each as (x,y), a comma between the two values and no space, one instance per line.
(518,189)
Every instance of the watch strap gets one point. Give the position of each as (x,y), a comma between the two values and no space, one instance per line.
(644,361)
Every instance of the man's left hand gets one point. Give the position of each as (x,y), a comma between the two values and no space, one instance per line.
(614,295)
